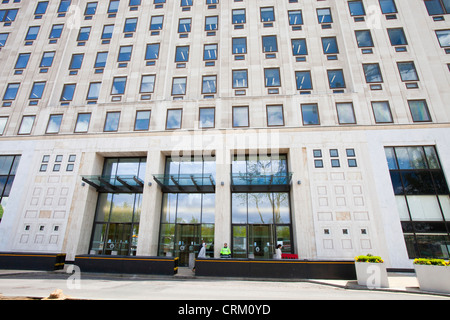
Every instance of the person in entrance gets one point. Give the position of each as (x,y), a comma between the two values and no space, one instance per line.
(225,252)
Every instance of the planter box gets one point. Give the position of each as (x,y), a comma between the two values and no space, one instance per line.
(372,275)
(433,278)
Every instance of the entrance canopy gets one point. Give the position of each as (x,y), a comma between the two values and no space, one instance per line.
(115,184)
(280,182)
(190,183)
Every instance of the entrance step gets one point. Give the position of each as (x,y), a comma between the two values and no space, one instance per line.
(185,273)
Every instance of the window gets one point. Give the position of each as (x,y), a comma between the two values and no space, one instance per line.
(211,23)
(209,84)
(397,37)
(238,16)
(84,34)
(174,117)
(239,45)
(156,23)
(275,116)
(210,52)
(437,7)
(184,25)
(382,112)
(182,54)
(179,86)
(372,73)
(125,54)
(64,6)
(91,8)
(336,79)
(272,77)
(113,6)
(56,31)
(119,84)
(206,118)
(443,38)
(142,122)
(82,124)
(407,71)
(419,111)
(303,79)
(3,38)
(147,84)
(68,92)
(152,52)
(11,91)
(3,122)
(26,125)
(54,123)
(364,38)
(269,44)
(37,90)
(240,79)
(324,15)
(299,47)
(107,32)
(130,25)
(310,114)
(267,14)
(8,169)
(388,6)
(422,196)
(100,60)
(76,61)
(356,8)
(94,90)
(47,59)
(32,33)
(112,121)
(345,112)
(329,45)
(295,18)
(240,117)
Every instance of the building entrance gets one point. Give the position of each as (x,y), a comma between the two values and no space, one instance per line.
(261,241)
(187,242)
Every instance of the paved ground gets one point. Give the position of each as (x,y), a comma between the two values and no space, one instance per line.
(185,286)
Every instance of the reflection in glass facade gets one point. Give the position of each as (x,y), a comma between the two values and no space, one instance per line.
(187,218)
(116,224)
(8,168)
(260,220)
(423,200)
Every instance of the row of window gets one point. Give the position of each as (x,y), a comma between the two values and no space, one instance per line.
(240,117)
(272,81)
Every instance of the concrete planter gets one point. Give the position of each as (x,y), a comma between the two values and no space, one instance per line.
(372,275)
(433,278)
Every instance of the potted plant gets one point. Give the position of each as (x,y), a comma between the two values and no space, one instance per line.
(371,272)
(433,274)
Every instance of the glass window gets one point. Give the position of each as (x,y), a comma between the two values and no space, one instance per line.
(407,71)
(82,124)
(147,84)
(130,25)
(156,23)
(182,54)
(152,51)
(303,79)
(47,59)
(26,125)
(91,8)
(388,6)
(3,38)
(372,73)
(382,112)
(142,120)
(437,7)
(269,43)
(397,37)
(419,111)
(174,118)
(275,116)
(310,114)
(364,38)
(443,38)
(56,31)
(94,90)
(112,121)
(11,91)
(329,45)
(356,8)
(179,86)
(37,90)
(125,53)
(3,122)
(240,117)
(54,123)
(346,114)
(107,32)
(240,79)
(211,23)
(184,25)
(32,33)
(238,16)
(267,14)
(207,118)
(299,47)
(64,6)
(210,52)
(100,61)
(336,79)
(76,61)
(209,84)
(113,6)
(295,17)
(84,33)
(272,77)
(119,84)
(239,45)
(324,15)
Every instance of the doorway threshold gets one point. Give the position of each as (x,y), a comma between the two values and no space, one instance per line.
(185,273)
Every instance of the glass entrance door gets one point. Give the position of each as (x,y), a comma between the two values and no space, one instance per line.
(260,241)
(118,239)
(187,241)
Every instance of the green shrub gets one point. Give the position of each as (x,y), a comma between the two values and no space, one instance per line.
(369,258)
(431,262)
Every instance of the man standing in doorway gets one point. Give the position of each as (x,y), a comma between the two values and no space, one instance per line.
(225,252)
